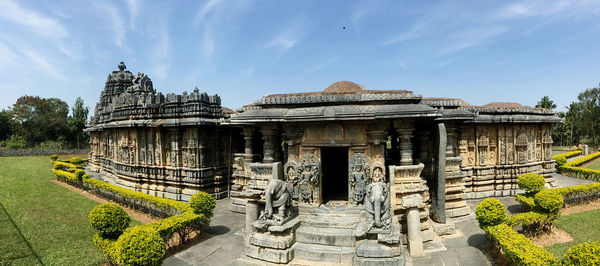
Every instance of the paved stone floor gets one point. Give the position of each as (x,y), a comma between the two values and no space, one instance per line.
(224,241)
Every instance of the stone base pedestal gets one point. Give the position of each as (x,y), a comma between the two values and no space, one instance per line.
(274,245)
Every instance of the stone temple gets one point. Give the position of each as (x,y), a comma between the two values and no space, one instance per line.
(343,175)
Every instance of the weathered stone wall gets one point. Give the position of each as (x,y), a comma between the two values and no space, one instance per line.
(173,162)
(494,155)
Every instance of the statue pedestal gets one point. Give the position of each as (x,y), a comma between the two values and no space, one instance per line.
(274,244)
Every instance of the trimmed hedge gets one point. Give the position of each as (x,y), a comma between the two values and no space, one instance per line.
(567,154)
(518,249)
(587,253)
(140,246)
(490,212)
(579,194)
(531,183)
(110,219)
(526,200)
(531,223)
(583,160)
(161,231)
(53,157)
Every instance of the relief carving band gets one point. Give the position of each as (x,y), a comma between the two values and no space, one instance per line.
(308,175)
(359,169)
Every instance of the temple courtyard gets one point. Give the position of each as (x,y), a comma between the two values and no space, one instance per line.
(224,240)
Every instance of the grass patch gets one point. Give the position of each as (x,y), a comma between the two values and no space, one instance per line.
(595,164)
(41,222)
(583,226)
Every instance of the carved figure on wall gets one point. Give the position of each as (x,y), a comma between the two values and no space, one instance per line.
(377,204)
(378,174)
(502,150)
(290,176)
(278,194)
(482,156)
(359,169)
(308,174)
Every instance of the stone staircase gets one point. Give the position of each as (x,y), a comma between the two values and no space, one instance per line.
(326,233)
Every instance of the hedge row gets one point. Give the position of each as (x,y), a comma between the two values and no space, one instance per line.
(567,154)
(518,249)
(137,245)
(583,159)
(579,194)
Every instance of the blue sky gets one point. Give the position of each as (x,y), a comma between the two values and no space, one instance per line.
(480,51)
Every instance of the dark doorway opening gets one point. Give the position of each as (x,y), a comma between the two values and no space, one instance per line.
(334,162)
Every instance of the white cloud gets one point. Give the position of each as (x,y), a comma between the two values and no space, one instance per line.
(473,37)
(41,25)
(161,62)
(211,6)
(134,11)
(7,55)
(114,21)
(42,64)
(289,37)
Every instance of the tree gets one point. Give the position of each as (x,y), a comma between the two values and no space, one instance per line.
(545,102)
(77,122)
(6,124)
(40,119)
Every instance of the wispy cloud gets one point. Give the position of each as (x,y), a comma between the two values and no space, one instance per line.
(43,65)
(473,37)
(41,25)
(288,37)
(211,6)
(114,20)
(134,11)
(7,55)
(161,62)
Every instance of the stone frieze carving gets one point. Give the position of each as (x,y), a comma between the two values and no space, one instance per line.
(308,173)
(359,176)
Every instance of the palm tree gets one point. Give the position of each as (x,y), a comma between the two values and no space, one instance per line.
(545,102)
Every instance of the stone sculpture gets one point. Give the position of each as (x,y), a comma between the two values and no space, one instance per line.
(308,175)
(359,177)
(377,204)
(278,194)
(291,177)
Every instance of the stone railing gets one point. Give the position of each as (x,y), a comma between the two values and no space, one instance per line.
(405,180)
(262,173)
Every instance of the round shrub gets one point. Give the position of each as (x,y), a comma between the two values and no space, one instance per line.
(53,157)
(140,246)
(203,203)
(549,202)
(490,212)
(587,253)
(561,160)
(110,219)
(531,183)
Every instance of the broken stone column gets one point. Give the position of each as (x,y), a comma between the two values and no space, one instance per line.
(269,144)
(415,242)
(252,211)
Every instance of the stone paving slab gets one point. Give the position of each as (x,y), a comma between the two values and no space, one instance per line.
(223,244)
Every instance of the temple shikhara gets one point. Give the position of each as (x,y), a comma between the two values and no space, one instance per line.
(343,175)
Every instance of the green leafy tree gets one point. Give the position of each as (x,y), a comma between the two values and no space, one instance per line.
(545,102)
(77,122)
(6,124)
(40,119)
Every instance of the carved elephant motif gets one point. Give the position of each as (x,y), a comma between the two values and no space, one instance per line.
(278,194)
(377,204)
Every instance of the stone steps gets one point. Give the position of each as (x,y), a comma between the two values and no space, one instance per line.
(341,221)
(341,237)
(317,252)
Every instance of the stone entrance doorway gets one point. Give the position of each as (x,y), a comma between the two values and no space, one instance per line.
(334,162)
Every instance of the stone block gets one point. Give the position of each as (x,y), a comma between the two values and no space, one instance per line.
(373,249)
(269,255)
(272,241)
(237,208)
(411,201)
(396,261)
(447,228)
(316,252)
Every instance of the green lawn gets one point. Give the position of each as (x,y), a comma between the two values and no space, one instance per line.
(595,164)
(583,226)
(41,222)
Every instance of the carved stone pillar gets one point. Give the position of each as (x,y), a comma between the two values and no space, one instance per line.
(248,150)
(405,133)
(293,140)
(269,144)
